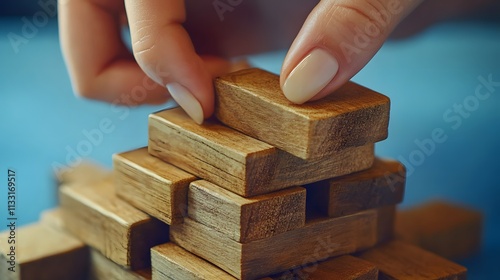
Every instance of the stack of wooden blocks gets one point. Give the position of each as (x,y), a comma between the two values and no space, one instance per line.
(267,190)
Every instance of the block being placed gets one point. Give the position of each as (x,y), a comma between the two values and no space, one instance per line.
(246,219)
(344,267)
(239,163)
(170,261)
(381,185)
(122,233)
(448,230)
(152,185)
(101,268)
(39,252)
(399,260)
(252,102)
(317,240)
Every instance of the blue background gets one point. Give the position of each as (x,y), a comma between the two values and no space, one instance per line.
(41,120)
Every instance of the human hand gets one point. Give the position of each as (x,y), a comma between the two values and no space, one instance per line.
(101,67)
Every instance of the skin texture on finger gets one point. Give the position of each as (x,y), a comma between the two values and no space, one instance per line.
(343,35)
(99,64)
(164,50)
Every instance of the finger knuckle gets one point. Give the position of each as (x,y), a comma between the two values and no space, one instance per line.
(367,14)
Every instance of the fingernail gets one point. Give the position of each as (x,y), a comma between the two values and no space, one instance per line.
(187,101)
(310,76)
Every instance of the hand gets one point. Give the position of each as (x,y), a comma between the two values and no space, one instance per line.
(338,38)
(341,36)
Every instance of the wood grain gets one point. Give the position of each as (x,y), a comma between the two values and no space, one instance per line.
(316,241)
(42,253)
(152,185)
(399,260)
(170,261)
(345,267)
(246,219)
(239,163)
(101,268)
(95,215)
(449,230)
(381,185)
(252,102)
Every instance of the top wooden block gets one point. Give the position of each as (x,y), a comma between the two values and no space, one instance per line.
(252,102)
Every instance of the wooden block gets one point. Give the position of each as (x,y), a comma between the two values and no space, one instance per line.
(170,261)
(346,267)
(152,185)
(317,240)
(119,231)
(252,102)
(84,172)
(448,230)
(381,185)
(39,252)
(239,163)
(386,217)
(246,219)
(53,219)
(101,268)
(399,260)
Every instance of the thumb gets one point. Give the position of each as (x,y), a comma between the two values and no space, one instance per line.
(338,39)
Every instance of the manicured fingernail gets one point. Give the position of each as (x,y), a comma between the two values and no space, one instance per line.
(187,101)
(310,76)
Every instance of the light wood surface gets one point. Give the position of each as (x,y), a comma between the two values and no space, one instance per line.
(381,185)
(42,253)
(95,215)
(152,185)
(170,261)
(246,219)
(345,267)
(401,261)
(101,268)
(252,102)
(239,163)
(84,172)
(449,230)
(317,240)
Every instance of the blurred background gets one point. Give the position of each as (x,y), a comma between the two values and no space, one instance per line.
(431,79)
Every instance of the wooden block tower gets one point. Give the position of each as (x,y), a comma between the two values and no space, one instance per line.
(264,190)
